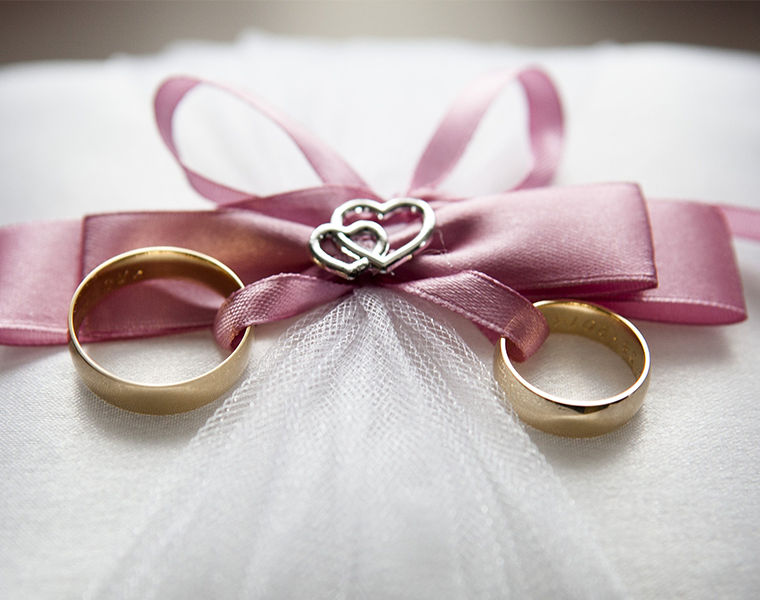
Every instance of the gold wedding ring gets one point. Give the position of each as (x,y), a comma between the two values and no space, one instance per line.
(579,418)
(142,265)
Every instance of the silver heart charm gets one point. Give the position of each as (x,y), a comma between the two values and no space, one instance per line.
(338,233)
(386,260)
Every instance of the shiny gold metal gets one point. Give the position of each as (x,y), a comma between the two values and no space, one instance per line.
(579,418)
(161,262)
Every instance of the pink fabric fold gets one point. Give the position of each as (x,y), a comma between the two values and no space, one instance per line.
(273,299)
(698,279)
(494,307)
(743,222)
(490,256)
(40,268)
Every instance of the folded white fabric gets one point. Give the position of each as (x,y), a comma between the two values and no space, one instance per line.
(669,502)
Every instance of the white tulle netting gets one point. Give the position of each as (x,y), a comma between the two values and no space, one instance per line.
(370,454)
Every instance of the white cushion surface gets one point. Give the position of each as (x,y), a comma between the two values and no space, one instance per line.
(674,496)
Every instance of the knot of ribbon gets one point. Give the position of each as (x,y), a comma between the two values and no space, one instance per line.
(490,256)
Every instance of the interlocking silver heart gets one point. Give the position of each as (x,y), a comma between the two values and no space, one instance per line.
(379,258)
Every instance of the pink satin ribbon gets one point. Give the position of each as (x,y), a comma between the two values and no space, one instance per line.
(491,256)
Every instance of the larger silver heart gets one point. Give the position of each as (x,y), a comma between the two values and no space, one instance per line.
(387,259)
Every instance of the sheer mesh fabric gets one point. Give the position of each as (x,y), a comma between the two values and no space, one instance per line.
(369,454)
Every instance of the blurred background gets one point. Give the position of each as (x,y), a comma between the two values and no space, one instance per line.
(97,29)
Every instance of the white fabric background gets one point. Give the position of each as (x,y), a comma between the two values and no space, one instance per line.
(673,497)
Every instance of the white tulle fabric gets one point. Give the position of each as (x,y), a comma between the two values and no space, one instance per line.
(370,454)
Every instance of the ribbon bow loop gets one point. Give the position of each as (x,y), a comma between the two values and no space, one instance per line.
(545,126)
(328,165)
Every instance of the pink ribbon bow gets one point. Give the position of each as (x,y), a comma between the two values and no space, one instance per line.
(489,258)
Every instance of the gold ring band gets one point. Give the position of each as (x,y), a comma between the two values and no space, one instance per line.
(142,265)
(579,418)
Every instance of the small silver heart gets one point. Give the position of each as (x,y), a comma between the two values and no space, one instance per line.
(384,260)
(339,233)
